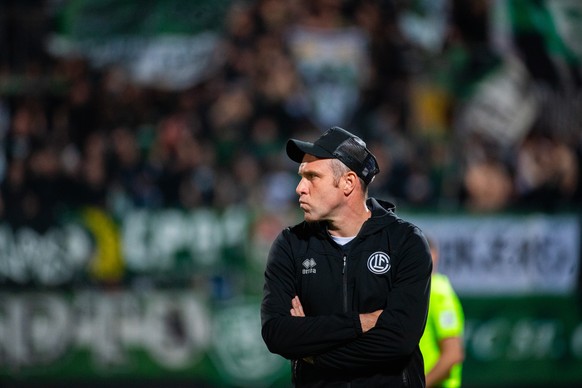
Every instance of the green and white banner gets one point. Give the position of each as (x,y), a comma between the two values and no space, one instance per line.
(558,23)
(170,44)
(533,341)
(97,335)
(94,247)
(482,255)
(181,335)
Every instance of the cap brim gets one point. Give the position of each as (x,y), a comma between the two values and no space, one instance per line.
(296,150)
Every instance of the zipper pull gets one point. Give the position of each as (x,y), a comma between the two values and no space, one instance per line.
(344,267)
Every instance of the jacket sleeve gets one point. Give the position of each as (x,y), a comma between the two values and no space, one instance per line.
(401,324)
(294,337)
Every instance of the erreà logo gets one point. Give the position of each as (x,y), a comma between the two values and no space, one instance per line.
(309,266)
(379,263)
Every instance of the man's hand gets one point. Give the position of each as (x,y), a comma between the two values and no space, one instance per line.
(297,311)
(296,308)
(369,320)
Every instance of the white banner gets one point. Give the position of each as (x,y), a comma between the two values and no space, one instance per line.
(509,255)
(503,105)
(333,64)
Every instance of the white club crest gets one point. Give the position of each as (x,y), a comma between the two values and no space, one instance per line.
(379,263)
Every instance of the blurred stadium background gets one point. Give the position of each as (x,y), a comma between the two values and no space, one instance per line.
(143,177)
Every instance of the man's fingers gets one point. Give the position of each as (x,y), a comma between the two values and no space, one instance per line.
(368,321)
(297,308)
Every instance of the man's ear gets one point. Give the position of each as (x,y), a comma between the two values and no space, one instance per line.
(350,182)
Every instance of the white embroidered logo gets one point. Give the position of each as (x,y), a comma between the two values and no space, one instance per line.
(379,263)
(309,266)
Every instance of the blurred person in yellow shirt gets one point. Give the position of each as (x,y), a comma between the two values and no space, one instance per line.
(442,342)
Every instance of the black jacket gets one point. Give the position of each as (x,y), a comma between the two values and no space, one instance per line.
(387,266)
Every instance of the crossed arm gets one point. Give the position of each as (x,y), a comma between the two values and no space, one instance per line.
(367,320)
(349,339)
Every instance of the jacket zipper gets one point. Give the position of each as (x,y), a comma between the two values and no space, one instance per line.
(345,292)
(345,284)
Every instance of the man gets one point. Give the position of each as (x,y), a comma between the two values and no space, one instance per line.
(346,291)
(442,342)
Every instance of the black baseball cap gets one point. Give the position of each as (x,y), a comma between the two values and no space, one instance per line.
(337,143)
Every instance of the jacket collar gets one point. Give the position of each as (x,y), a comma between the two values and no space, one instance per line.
(382,215)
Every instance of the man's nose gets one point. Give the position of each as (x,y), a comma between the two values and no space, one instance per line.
(300,187)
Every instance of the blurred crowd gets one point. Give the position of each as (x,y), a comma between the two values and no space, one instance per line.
(75,135)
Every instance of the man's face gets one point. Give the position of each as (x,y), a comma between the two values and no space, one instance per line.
(319,197)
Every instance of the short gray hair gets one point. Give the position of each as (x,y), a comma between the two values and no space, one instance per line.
(338,169)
